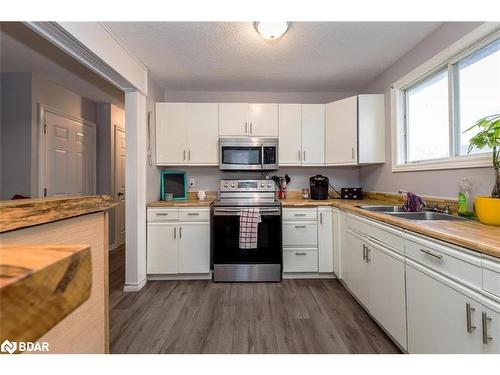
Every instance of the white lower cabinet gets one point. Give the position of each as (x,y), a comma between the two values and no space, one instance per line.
(194,239)
(437,315)
(162,253)
(178,246)
(308,240)
(375,274)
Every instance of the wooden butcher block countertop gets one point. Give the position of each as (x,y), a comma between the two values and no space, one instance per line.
(23,213)
(470,234)
(192,201)
(39,286)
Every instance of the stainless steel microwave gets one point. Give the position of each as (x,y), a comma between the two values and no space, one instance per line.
(248,154)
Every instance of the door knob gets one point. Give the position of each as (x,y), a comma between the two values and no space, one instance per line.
(120,194)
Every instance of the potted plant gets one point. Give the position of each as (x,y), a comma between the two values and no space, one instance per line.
(488,208)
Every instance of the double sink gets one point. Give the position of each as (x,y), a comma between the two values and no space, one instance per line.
(397,211)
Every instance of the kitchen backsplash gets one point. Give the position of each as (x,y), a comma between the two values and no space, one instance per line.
(207,178)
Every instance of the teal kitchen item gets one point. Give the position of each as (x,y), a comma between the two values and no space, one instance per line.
(175,183)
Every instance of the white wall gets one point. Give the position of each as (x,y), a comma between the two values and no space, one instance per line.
(155,94)
(442,183)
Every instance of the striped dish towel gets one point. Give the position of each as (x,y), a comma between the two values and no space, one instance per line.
(249,224)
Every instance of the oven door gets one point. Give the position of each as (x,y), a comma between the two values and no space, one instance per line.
(240,157)
(226,237)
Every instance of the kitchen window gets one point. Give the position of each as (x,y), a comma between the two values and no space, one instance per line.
(433,105)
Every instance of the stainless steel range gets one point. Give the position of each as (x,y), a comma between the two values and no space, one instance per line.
(230,262)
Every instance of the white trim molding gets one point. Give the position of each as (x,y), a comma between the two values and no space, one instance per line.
(476,39)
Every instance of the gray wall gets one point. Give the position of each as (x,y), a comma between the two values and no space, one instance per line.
(29,91)
(15,128)
(207,178)
(254,96)
(441,183)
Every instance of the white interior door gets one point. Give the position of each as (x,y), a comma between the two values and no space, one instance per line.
(69,156)
(119,170)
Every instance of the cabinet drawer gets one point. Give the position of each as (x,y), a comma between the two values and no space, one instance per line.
(491,276)
(300,260)
(300,214)
(163,214)
(456,264)
(194,215)
(383,233)
(300,234)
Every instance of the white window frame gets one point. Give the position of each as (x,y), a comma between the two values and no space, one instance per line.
(480,37)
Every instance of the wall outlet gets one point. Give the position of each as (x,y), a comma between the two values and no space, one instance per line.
(191,182)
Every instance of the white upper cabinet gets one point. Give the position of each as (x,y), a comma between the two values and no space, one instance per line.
(202,133)
(313,131)
(186,133)
(341,132)
(290,134)
(233,119)
(355,131)
(263,120)
(248,120)
(371,129)
(171,135)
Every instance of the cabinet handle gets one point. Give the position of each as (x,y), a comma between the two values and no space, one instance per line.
(300,226)
(437,256)
(189,154)
(184,155)
(304,158)
(485,320)
(468,313)
(299,214)
(321,217)
(251,128)
(299,156)
(246,127)
(300,253)
(193,213)
(175,233)
(352,153)
(180,232)
(368,260)
(161,214)
(364,253)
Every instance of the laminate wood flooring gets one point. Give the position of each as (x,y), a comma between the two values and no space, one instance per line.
(294,316)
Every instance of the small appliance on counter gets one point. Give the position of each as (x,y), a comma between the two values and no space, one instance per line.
(351,193)
(319,187)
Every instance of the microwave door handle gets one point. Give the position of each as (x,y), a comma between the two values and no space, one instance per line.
(262,150)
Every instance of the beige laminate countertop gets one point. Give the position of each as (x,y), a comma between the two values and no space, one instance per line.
(23,213)
(470,234)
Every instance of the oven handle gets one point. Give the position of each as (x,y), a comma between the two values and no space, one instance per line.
(236,211)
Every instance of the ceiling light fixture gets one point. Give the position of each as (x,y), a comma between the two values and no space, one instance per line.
(271,30)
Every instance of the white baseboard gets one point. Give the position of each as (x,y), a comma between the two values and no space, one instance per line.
(190,276)
(134,287)
(308,275)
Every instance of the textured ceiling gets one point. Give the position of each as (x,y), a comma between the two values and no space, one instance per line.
(22,50)
(311,56)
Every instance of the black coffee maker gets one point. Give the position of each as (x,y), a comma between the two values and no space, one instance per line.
(319,187)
